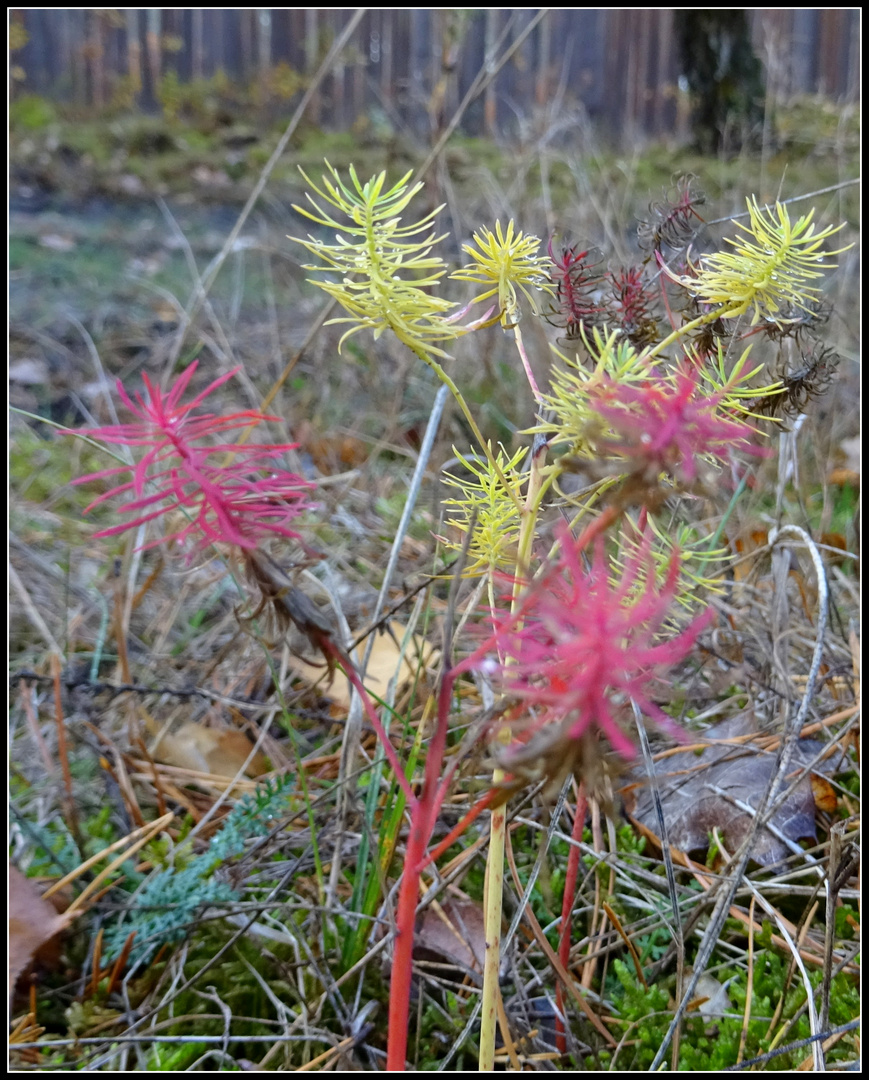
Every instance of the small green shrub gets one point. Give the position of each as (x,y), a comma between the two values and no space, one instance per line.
(31,112)
(169,903)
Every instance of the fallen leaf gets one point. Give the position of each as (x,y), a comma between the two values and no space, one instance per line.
(711,996)
(209,750)
(749,541)
(720,788)
(33,925)
(382,665)
(824,794)
(841,476)
(334,453)
(453,933)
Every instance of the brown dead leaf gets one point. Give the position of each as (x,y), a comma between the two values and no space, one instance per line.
(749,541)
(333,453)
(34,925)
(841,477)
(838,542)
(824,794)
(453,933)
(209,750)
(382,665)
(719,788)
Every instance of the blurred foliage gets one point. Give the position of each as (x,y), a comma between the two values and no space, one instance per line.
(18,36)
(31,112)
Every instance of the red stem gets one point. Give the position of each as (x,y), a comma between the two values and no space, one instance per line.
(454,833)
(423,811)
(329,648)
(422,817)
(570,878)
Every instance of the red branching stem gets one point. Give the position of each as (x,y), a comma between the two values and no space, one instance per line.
(343,661)
(402,962)
(453,835)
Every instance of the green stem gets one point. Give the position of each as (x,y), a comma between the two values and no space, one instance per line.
(686,328)
(419,351)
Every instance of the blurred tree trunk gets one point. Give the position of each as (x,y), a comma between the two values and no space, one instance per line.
(197,66)
(312,59)
(490,101)
(152,45)
(543,79)
(724,75)
(95,49)
(263,41)
(134,54)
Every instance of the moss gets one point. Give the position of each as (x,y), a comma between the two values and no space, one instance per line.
(712,1043)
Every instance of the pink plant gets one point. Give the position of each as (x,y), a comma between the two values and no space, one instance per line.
(231,502)
(668,426)
(578,648)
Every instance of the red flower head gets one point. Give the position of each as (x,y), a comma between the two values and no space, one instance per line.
(229,502)
(668,426)
(579,649)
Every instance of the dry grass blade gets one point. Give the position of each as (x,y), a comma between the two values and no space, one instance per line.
(128,846)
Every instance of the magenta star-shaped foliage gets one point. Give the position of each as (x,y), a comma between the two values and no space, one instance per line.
(240,500)
(579,649)
(668,425)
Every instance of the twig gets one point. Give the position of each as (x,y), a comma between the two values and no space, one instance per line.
(764,1058)
(839,869)
(678,934)
(769,804)
(32,612)
(60,724)
(33,724)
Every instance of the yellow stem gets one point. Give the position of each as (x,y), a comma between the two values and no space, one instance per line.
(686,328)
(493,897)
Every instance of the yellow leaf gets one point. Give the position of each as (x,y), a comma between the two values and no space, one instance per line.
(209,750)
(382,665)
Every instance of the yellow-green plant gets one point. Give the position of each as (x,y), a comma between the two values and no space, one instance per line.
(385,273)
(771,270)
(647,412)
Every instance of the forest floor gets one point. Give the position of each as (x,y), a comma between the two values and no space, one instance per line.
(137,692)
